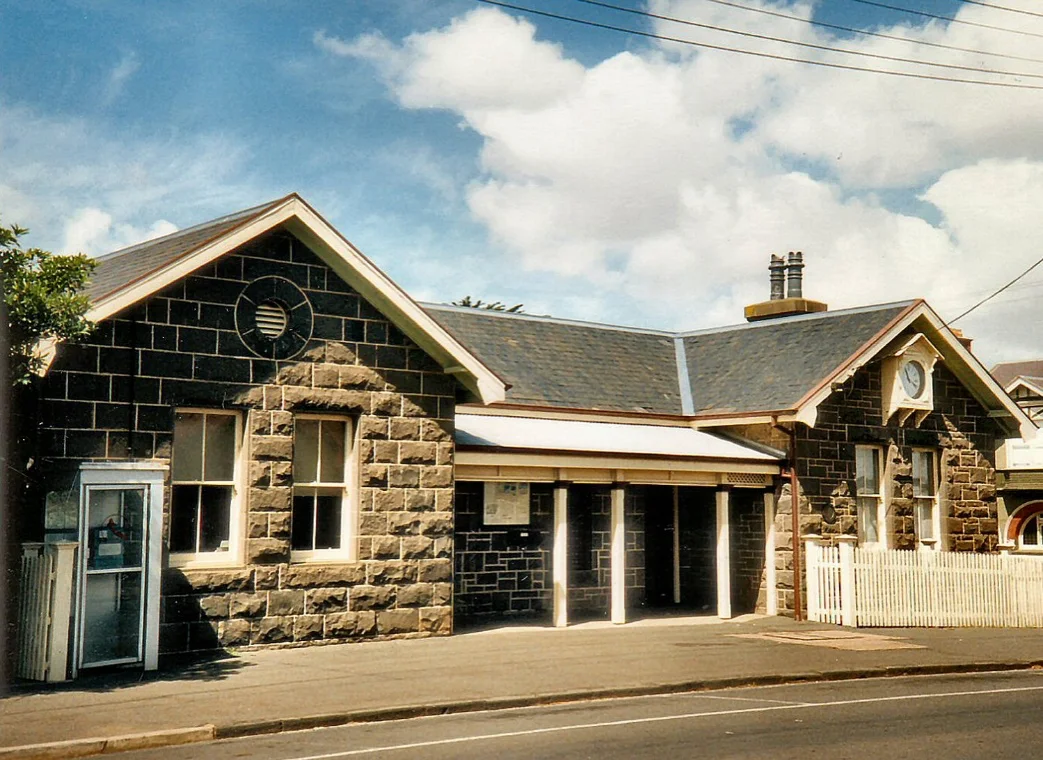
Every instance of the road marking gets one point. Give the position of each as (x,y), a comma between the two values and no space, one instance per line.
(746,699)
(657,719)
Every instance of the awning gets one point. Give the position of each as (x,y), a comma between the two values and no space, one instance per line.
(507,432)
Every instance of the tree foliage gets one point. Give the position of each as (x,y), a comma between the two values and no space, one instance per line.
(43,293)
(478,303)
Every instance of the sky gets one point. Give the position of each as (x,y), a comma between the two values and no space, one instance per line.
(587,173)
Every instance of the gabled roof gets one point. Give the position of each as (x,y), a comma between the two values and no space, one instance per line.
(772,364)
(117,270)
(131,275)
(563,363)
(778,368)
(1031,384)
(1005,372)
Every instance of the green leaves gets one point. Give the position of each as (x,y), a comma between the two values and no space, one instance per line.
(494,306)
(42,291)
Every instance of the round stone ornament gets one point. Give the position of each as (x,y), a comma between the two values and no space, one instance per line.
(274,318)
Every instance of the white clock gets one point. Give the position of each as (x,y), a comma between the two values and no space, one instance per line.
(913,377)
(907,380)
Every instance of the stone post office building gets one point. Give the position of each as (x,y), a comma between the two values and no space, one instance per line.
(286,448)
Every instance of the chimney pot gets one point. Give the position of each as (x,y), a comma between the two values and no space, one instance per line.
(784,268)
(795,275)
(777,270)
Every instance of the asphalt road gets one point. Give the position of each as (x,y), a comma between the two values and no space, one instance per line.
(993,715)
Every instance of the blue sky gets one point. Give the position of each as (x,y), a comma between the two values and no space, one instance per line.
(589,174)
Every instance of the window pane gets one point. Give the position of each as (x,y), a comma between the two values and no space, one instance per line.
(867,519)
(925,519)
(333,433)
(188,447)
(303,521)
(214,509)
(1030,533)
(220,447)
(327,522)
(184,503)
(305,450)
(923,473)
(867,470)
(132,525)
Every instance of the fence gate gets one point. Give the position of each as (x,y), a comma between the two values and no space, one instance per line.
(44,610)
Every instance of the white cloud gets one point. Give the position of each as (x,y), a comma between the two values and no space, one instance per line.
(669,175)
(484,60)
(79,188)
(119,76)
(85,227)
(91,231)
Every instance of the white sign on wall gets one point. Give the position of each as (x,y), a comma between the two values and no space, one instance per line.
(506,504)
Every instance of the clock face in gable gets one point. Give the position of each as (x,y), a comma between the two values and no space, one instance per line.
(274,318)
(913,377)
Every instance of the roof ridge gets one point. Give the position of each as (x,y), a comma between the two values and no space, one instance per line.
(684,382)
(195,227)
(545,318)
(673,334)
(797,318)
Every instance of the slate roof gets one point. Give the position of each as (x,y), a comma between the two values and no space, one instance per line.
(550,362)
(756,367)
(771,365)
(1007,371)
(123,267)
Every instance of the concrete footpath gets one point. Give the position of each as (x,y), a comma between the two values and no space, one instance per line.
(271,690)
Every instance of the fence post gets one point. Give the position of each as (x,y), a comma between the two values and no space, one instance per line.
(64,553)
(847,580)
(812,561)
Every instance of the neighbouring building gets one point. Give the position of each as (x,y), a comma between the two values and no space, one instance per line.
(1020,476)
(266,441)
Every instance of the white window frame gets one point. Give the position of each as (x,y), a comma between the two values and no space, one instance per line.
(234,555)
(934,543)
(348,549)
(881,506)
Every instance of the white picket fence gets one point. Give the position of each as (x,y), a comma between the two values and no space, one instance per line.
(44,610)
(854,586)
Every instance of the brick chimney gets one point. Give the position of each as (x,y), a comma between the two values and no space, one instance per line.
(790,303)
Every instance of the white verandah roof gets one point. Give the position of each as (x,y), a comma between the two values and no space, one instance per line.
(530,433)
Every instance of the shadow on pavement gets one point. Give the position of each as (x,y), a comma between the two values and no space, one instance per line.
(212,666)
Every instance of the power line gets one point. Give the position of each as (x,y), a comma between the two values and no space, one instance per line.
(990,297)
(950,19)
(1001,8)
(867,33)
(758,54)
(811,45)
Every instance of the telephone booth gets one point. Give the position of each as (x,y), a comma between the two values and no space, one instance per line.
(120,561)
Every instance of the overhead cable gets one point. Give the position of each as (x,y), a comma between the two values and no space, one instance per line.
(868,33)
(950,19)
(1001,7)
(990,297)
(811,45)
(759,54)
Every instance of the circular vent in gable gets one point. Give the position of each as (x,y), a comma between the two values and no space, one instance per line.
(271,319)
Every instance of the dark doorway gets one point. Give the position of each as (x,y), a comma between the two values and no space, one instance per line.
(695,551)
(659,546)
(698,556)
